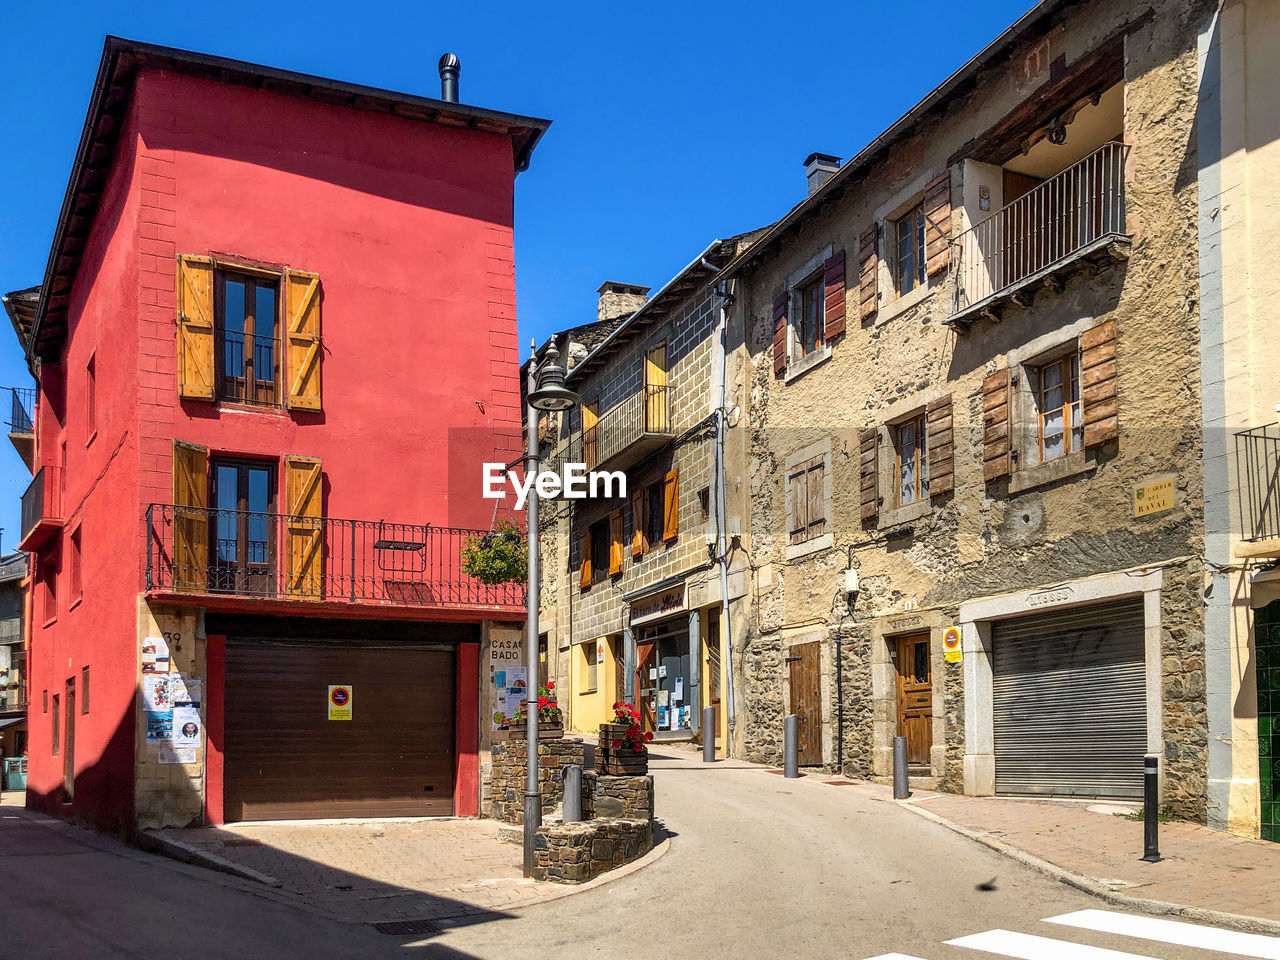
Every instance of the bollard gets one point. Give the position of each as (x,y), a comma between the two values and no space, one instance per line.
(588,756)
(901,783)
(708,734)
(1151,808)
(791,746)
(572,793)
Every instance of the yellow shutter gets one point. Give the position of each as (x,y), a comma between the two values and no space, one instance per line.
(615,543)
(195,328)
(656,419)
(302,340)
(591,433)
(637,523)
(584,555)
(190,516)
(671,505)
(303,525)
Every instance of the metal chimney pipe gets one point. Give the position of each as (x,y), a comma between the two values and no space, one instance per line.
(449,70)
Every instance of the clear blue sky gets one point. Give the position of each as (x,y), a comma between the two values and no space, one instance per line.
(674,124)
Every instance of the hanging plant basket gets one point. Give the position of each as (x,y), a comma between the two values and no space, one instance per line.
(500,556)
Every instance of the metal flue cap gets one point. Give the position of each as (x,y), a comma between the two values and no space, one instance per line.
(450,68)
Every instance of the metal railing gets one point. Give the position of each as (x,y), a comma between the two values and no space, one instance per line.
(12,697)
(1044,227)
(1258,482)
(22,409)
(645,413)
(248,368)
(42,500)
(199,551)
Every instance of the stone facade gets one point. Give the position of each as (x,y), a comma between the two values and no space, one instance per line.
(506,791)
(578,852)
(628,798)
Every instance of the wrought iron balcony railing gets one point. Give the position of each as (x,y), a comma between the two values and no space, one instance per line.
(41,507)
(13,696)
(623,435)
(1078,210)
(22,409)
(231,553)
(1258,482)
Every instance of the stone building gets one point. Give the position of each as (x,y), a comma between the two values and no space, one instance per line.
(631,595)
(974,351)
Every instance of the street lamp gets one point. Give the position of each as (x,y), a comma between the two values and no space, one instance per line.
(546,392)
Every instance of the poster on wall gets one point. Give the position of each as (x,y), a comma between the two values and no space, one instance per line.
(186,732)
(159,726)
(156,693)
(155,655)
(509,685)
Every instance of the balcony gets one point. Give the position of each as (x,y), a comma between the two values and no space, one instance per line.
(41,508)
(22,406)
(13,696)
(227,557)
(1070,219)
(1258,491)
(623,436)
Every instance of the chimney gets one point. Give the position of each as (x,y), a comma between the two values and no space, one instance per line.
(819,168)
(449,70)
(619,299)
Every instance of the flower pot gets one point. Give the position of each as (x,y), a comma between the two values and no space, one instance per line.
(546,731)
(622,763)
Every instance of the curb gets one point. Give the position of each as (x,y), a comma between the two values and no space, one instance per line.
(1100,890)
(186,853)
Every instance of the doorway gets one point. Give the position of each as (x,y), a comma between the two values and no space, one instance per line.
(915,696)
(806,700)
(69,744)
(243,549)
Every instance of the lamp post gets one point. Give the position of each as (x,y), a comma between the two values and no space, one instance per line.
(546,392)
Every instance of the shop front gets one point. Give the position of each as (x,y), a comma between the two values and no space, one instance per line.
(665,637)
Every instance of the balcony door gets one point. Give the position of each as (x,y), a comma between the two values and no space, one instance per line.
(242,554)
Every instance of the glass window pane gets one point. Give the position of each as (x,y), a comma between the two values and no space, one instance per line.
(1052,399)
(1053,446)
(1051,376)
(259,489)
(921,665)
(227,496)
(264,312)
(233,306)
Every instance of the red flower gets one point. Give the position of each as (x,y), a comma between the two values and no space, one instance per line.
(648,737)
(551,684)
(543,701)
(639,747)
(617,744)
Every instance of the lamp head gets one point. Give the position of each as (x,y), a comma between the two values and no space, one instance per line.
(551,393)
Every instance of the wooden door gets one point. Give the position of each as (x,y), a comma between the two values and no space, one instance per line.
(915,696)
(712,678)
(806,700)
(69,751)
(647,689)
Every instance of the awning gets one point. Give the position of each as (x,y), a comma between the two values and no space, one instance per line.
(9,721)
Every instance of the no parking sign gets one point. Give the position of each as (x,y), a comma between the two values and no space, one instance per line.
(951,649)
(340,698)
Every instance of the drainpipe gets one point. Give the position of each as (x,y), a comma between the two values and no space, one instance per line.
(722,541)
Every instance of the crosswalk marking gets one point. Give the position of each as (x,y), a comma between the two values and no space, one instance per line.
(1028,947)
(1173,931)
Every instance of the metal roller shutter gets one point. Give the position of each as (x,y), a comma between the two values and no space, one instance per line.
(1069,692)
(285,759)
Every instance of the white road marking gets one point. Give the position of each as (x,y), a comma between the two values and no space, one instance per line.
(894,956)
(1028,947)
(1173,931)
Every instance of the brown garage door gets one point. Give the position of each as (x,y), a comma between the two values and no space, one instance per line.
(285,759)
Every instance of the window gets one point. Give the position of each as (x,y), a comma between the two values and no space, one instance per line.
(809,297)
(56,720)
(599,533)
(909,254)
(245,329)
(590,657)
(91,399)
(653,516)
(805,491)
(242,550)
(84,689)
(913,461)
(704,502)
(77,576)
(1057,394)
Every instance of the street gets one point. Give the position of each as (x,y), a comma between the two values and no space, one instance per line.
(758,866)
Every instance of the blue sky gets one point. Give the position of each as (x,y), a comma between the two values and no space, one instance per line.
(674,124)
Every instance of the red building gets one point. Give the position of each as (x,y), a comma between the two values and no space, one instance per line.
(274,342)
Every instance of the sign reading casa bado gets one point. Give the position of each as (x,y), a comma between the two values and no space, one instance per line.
(574,482)
(340,698)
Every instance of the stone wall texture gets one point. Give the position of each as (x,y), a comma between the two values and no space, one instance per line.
(578,852)
(506,791)
(629,798)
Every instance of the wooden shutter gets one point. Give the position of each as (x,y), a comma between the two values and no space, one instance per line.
(868,272)
(780,334)
(833,307)
(671,505)
(637,523)
(584,559)
(996,408)
(190,516)
(869,472)
(195,328)
(937,220)
(615,543)
(302,340)
(304,525)
(799,520)
(940,447)
(1098,382)
(590,433)
(656,419)
(817,514)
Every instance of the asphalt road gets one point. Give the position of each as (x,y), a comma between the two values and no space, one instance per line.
(758,867)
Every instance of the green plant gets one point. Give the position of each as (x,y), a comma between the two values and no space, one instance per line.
(497,557)
(548,708)
(1138,816)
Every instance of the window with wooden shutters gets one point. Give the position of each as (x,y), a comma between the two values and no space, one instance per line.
(195,328)
(805,494)
(190,516)
(654,515)
(996,458)
(810,294)
(869,473)
(912,473)
(1098,375)
(868,272)
(600,552)
(1057,400)
(615,543)
(671,505)
(941,447)
(638,544)
(584,559)
(657,415)
(834,306)
(937,218)
(304,526)
(302,340)
(780,333)
(246,334)
(908,250)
